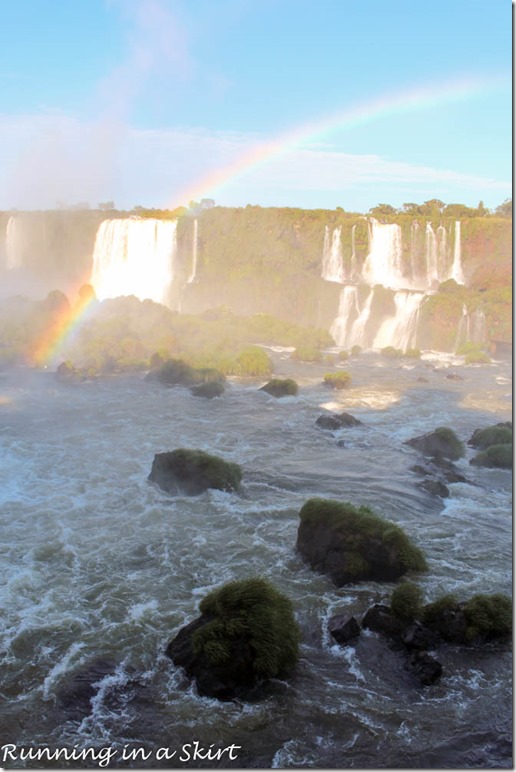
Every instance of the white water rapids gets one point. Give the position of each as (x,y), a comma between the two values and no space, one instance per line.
(100,568)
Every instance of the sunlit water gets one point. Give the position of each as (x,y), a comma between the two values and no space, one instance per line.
(99,565)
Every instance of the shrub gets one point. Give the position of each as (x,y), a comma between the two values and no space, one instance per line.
(356,350)
(174,372)
(495,456)
(281,387)
(499,434)
(406,602)
(342,356)
(477,358)
(307,354)
(391,352)
(412,353)
(433,612)
(337,380)
(252,609)
(252,361)
(488,616)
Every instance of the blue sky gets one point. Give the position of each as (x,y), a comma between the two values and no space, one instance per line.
(144,101)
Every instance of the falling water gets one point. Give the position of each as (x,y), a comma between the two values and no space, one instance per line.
(401,329)
(349,311)
(456,272)
(195,242)
(384,264)
(355,273)
(442,251)
(332,268)
(135,257)
(14,244)
(432,266)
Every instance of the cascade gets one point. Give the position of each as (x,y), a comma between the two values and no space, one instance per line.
(471,328)
(414,237)
(135,257)
(332,268)
(400,330)
(432,267)
(462,329)
(195,242)
(442,252)
(14,244)
(355,273)
(384,265)
(348,312)
(456,271)
(478,328)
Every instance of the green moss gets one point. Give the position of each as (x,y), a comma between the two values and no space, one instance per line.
(412,353)
(455,446)
(433,612)
(355,526)
(252,361)
(488,616)
(499,434)
(495,457)
(337,380)
(391,352)
(307,354)
(209,470)
(406,602)
(255,610)
(209,390)
(477,358)
(356,350)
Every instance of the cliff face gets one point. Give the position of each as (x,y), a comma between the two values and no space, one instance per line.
(267,260)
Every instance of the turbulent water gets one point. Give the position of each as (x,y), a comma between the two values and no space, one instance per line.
(101,568)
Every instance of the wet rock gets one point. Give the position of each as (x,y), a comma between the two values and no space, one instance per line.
(498,434)
(417,636)
(441,443)
(345,630)
(380,619)
(426,668)
(281,387)
(75,698)
(435,488)
(193,471)
(334,421)
(454,377)
(208,390)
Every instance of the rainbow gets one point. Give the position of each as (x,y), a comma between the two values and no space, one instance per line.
(55,335)
(400,103)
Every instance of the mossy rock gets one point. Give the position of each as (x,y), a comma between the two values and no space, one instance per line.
(307,354)
(337,380)
(194,471)
(441,443)
(391,353)
(353,544)
(481,619)
(499,434)
(281,387)
(208,390)
(174,372)
(246,634)
(477,358)
(495,457)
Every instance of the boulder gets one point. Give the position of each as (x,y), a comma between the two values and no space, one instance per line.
(193,472)
(426,668)
(208,390)
(495,457)
(435,488)
(442,442)
(344,629)
(417,636)
(334,421)
(281,387)
(381,620)
(246,634)
(351,544)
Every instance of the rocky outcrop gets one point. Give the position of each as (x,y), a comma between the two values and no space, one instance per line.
(352,544)
(193,472)
(208,390)
(495,445)
(335,421)
(441,443)
(245,635)
(281,387)
(345,630)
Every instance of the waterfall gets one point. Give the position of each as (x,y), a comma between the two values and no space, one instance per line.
(400,330)
(355,273)
(14,244)
(332,268)
(456,271)
(348,329)
(195,242)
(478,327)
(135,257)
(442,252)
(432,268)
(384,264)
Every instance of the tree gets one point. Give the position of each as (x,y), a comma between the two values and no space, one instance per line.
(505,209)
(106,206)
(382,210)
(413,209)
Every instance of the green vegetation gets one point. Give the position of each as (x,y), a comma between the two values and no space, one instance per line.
(390,352)
(208,390)
(488,616)
(477,358)
(195,470)
(499,434)
(307,354)
(406,602)
(337,380)
(495,457)
(359,532)
(356,350)
(281,387)
(255,611)
(433,613)
(455,448)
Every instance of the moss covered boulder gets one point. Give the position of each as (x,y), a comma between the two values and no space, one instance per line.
(334,421)
(193,471)
(208,390)
(481,619)
(337,380)
(499,434)
(245,635)
(281,387)
(353,544)
(441,443)
(495,457)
